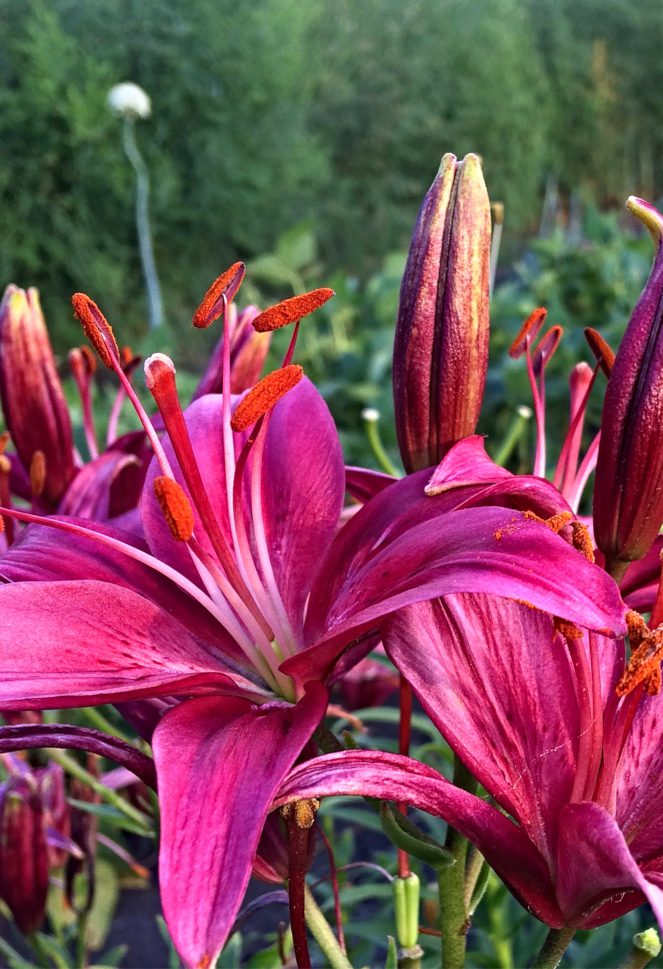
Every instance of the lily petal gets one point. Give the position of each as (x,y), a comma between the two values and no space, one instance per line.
(91,642)
(489,550)
(373,773)
(88,496)
(303,482)
(594,863)
(219,764)
(639,807)
(498,684)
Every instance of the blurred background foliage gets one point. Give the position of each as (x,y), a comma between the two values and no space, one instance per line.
(275,113)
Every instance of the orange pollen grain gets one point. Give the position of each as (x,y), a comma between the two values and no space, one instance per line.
(96,327)
(176,508)
(205,962)
(568,629)
(555,523)
(211,305)
(4,441)
(264,395)
(644,665)
(604,355)
(37,473)
(582,540)
(291,310)
(5,464)
(530,328)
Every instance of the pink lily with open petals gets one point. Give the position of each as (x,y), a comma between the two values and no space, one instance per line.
(533,713)
(243,597)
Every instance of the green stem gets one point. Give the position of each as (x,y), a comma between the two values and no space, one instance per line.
(71,766)
(320,929)
(454,921)
(552,950)
(375,441)
(95,717)
(499,935)
(154,301)
(521,419)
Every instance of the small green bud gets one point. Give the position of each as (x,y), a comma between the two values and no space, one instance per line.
(406,905)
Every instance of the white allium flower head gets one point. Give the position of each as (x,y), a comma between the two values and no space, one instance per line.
(129,101)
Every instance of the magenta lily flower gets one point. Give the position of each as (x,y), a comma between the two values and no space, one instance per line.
(242,598)
(529,705)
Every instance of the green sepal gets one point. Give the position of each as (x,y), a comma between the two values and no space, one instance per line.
(411,839)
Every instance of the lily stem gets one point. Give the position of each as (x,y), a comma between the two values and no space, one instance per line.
(556,943)
(321,931)
(454,918)
(71,766)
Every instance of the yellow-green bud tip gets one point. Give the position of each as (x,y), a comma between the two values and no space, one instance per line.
(648,215)
(648,941)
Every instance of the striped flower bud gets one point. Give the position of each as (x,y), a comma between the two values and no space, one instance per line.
(628,495)
(441,344)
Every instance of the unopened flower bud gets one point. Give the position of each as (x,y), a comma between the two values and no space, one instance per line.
(23,854)
(628,496)
(441,345)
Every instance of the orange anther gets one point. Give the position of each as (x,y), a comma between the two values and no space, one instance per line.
(212,304)
(528,332)
(97,328)
(582,540)
(37,473)
(264,395)
(604,355)
(175,506)
(291,310)
(644,665)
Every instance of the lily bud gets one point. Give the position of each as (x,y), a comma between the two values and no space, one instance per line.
(33,402)
(441,344)
(23,854)
(628,495)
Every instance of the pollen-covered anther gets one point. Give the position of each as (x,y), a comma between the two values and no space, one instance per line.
(528,330)
(37,473)
(582,540)
(212,304)
(291,310)
(555,523)
(602,352)
(303,812)
(5,464)
(4,441)
(264,395)
(567,629)
(644,665)
(97,328)
(175,506)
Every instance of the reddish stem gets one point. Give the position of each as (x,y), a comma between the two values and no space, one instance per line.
(404,732)
(298,854)
(333,875)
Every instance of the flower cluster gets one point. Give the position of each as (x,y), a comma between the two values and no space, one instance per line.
(202,575)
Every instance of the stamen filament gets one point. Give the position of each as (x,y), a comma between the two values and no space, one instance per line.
(567,465)
(81,373)
(587,465)
(225,619)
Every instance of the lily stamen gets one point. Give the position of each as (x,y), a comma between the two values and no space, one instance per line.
(37,474)
(264,395)
(175,507)
(291,310)
(644,665)
(219,296)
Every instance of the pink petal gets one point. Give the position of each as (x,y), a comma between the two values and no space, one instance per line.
(88,496)
(639,807)
(466,463)
(595,863)
(303,482)
(219,765)
(498,683)
(91,642)
(365,483)
(376,774)
(490,550)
